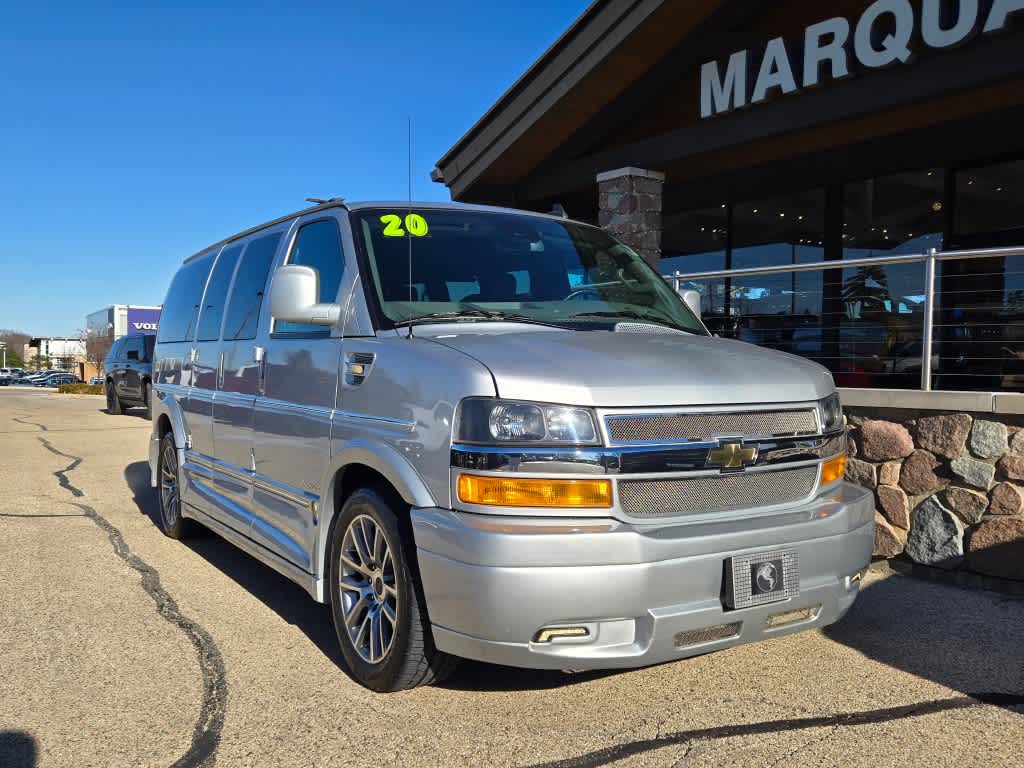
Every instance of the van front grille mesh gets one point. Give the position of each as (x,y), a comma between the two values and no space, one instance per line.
(715,493)
(670,427)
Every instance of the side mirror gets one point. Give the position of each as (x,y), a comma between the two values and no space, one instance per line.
(692,299)
(293,297)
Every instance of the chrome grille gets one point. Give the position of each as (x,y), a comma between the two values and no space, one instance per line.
(669,427)
(715,493)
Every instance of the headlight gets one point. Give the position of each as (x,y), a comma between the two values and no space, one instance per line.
(486,420)
(831,413)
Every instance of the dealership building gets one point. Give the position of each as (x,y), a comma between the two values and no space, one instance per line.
(119,320)
(841,181)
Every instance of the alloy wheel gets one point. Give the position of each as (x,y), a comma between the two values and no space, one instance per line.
(369,592)
(170,498)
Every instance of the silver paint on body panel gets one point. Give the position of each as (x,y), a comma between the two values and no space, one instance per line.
(293,425)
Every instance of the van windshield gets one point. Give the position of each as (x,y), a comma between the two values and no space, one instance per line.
(479,266)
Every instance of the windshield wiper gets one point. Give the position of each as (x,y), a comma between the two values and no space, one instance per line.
(633,315)
(473,314)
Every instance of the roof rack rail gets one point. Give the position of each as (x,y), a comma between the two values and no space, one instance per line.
(325,200)
(558,210)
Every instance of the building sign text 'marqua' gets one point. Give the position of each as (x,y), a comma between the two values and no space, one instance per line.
(882,36)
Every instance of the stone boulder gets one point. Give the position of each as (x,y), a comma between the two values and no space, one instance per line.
(1012,466)
(894,505)
(996,547)
(861,473)
(969,505)
(989,439)
(1007,499)
(885,440)
(936,536)
(1017,443)
(889,473)
(917,475)
(974,473)
(943,435)
(889,540)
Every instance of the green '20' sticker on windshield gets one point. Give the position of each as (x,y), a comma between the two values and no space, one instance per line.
(415,225)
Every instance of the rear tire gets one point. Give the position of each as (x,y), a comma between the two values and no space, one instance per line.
(146,392)
(169,490)
(377,601)
(114,407)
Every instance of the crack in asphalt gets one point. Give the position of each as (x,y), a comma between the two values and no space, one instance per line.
(202,753)
(43,427)
(628,749)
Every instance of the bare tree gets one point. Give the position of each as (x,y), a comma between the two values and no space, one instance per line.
(16,341)
(97,344)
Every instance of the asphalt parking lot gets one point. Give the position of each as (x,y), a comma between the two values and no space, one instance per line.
(120,647)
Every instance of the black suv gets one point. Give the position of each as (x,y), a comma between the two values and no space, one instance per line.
(129,372)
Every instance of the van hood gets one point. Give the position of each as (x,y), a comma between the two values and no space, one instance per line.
(617,370)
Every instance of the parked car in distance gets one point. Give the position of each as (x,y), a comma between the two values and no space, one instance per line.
(56,379)
(129,372)
(94,380)
(486,433)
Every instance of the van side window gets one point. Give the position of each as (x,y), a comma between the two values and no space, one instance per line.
(317,245)
(243,313)
(216,293)
(181,307)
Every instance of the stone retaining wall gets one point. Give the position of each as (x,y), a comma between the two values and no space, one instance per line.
(949,487)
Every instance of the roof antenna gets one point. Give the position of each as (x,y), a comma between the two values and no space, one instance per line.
(408,235)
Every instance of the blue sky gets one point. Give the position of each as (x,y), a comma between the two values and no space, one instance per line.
(133,134)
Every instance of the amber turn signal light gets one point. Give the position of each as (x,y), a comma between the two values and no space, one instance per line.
(535,492)
(833,469)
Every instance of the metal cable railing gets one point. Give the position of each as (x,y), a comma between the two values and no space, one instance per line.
(930,259)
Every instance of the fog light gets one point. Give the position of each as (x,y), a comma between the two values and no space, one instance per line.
(706,634)
(552,633)
(795,616)
(833,469)
(535,492)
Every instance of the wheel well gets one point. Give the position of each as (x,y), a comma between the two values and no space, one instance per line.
(163,425)
(355,476)
(347,481)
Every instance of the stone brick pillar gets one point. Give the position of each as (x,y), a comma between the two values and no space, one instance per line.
(629,206)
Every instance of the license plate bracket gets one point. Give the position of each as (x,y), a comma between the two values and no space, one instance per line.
(761,578)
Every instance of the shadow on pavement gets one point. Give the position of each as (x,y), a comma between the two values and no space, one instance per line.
(134,411)
(295,606)
(18,750)
(964,639)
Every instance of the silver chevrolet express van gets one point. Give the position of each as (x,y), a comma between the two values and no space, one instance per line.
(499,435)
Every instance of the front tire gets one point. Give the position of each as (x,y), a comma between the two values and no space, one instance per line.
(113,402)
(377,600)
(169,490)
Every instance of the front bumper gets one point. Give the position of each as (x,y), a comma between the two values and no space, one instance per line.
(638,589)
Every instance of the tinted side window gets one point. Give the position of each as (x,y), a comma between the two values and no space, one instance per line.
(181,307)
(247,295)
(318,245)
(115,350)
(131,344)
(216,293)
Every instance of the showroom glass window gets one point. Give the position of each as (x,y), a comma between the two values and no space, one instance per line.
(782,311)
(980,318)
(696,241)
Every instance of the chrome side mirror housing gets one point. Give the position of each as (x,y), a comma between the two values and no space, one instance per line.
(692,299)
(293,297)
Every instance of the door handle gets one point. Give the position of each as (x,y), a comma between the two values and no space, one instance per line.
(220,372)
(259,356)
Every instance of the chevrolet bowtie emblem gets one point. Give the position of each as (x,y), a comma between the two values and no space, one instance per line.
(732,456)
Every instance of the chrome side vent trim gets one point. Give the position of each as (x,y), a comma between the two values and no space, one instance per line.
(357,367)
